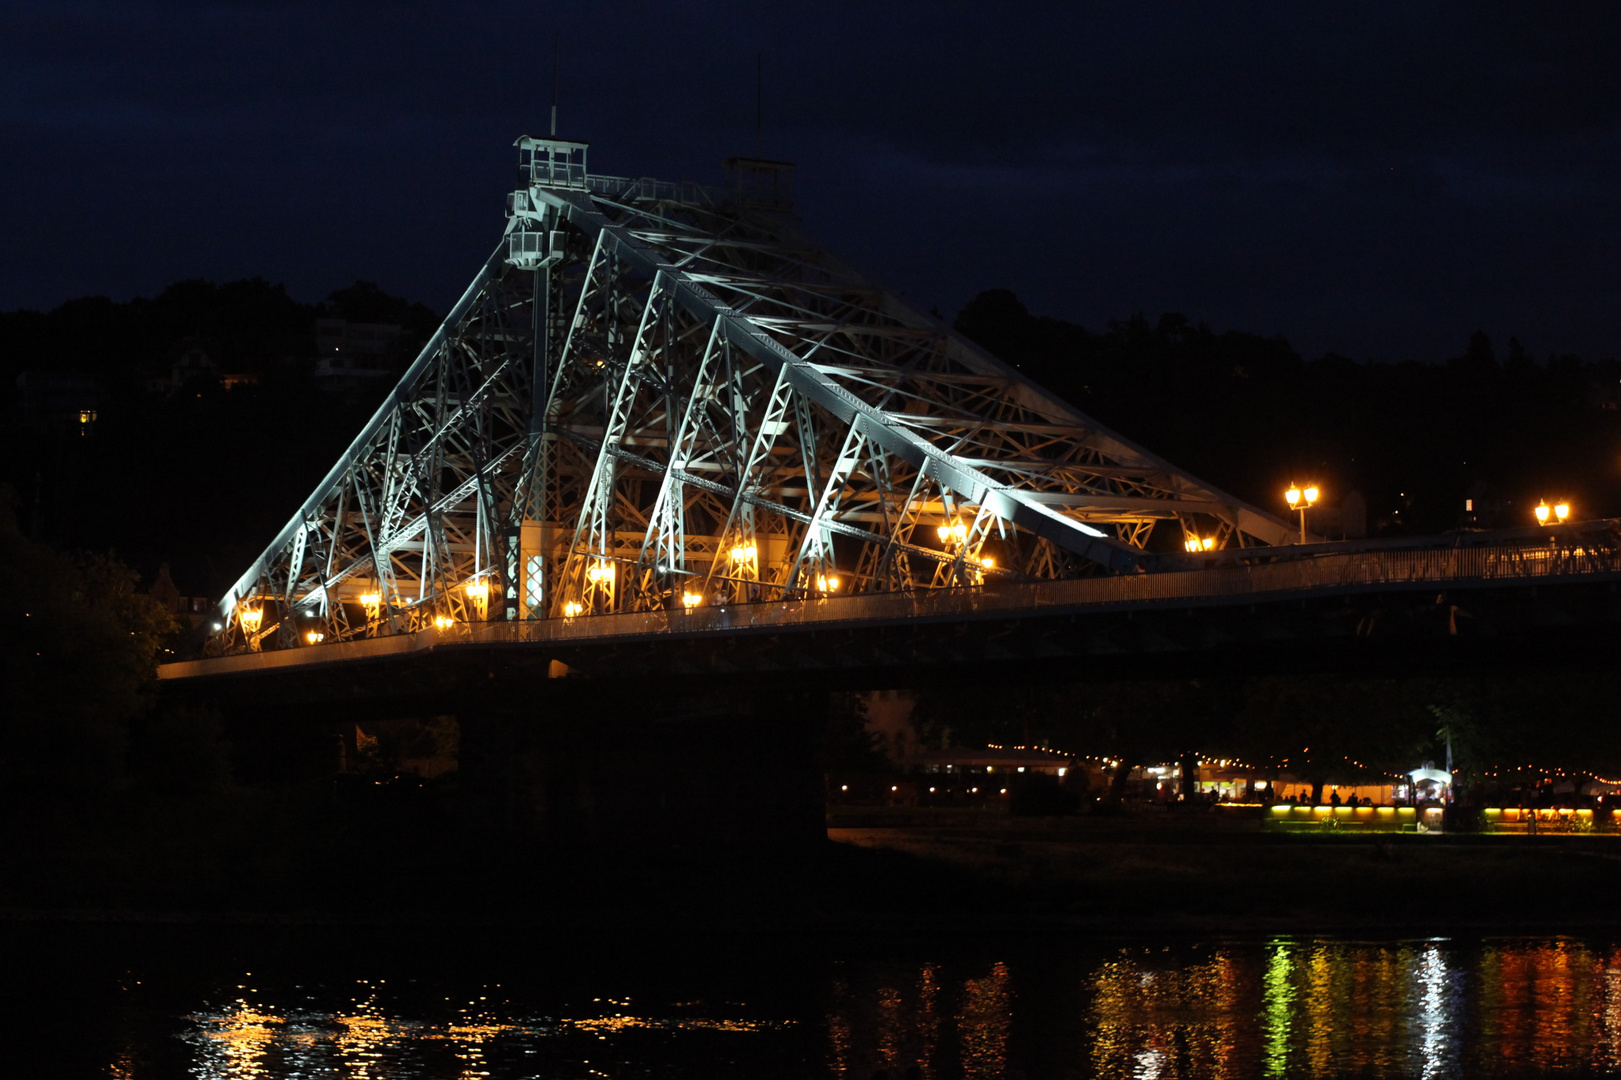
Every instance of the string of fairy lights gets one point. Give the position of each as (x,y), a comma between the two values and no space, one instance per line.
(1520,773)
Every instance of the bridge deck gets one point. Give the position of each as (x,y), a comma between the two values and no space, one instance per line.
(1227,583)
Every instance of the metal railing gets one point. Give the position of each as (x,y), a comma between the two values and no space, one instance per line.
(627,189)
(1484,565)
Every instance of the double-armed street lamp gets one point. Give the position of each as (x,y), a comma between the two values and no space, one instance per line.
(1302,499)
(1558,513)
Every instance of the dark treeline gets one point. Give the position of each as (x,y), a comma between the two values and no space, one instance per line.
(1249,415)
(198,470)
(199,476)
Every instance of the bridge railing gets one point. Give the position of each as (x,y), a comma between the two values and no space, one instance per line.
(625,188)
(1444,568)
(1402,569)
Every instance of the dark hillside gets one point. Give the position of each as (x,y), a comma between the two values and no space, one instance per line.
(1247,413)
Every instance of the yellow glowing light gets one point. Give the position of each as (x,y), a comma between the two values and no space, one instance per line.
(1292,496)
(1191,543)
(600,571)
(1208,542)
(443,622)
(959,531)
(315,637)
(691,599)
(1311,494)
(251,618)
(1562,511)
(572,608)
(1542,514)
(827,583)
(987,562)
(372,602)
(478,590)
(745,553)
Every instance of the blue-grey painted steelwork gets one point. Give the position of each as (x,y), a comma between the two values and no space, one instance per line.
(661,397)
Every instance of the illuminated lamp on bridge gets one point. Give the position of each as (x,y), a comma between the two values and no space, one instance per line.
(1558,512)
(956,533)
(1302,499)
(315,637)
(443,622)
(572,608)
(1196,543)
(479,593)
(373,605)
(826,583)
(251,617)
(690,600)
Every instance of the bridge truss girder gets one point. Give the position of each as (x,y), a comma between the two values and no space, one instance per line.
(655,396)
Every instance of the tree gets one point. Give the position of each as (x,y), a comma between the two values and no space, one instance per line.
(81,653)
(1335,729)
(847,745)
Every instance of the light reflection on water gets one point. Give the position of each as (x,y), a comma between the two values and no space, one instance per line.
(246,1038)
(1284,1007)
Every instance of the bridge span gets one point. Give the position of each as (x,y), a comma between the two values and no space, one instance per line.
(665,451)
(662,422)
(1520,590)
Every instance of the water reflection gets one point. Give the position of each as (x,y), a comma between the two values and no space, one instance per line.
(1282,1008)
(1323,1008)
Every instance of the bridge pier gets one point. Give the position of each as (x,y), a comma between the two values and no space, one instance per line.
(582,764)
(560,761)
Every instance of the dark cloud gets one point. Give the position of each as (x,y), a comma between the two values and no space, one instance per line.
(1373,179)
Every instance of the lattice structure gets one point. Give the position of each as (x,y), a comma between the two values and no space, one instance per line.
(656,396)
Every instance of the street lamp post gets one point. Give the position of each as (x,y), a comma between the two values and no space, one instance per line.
(1302,499)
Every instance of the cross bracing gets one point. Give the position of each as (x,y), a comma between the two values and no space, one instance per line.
(655,396)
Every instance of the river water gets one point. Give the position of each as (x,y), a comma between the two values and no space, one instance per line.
(389,1002)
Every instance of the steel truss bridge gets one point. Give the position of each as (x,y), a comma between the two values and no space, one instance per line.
(660,411)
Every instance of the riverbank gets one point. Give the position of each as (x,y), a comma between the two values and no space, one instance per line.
(1200,877)
(878,872)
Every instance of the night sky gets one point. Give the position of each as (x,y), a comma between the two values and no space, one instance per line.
(1376,180)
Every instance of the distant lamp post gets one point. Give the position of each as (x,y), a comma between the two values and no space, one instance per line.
(1558,512)
(1198,543)
(1302,499)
